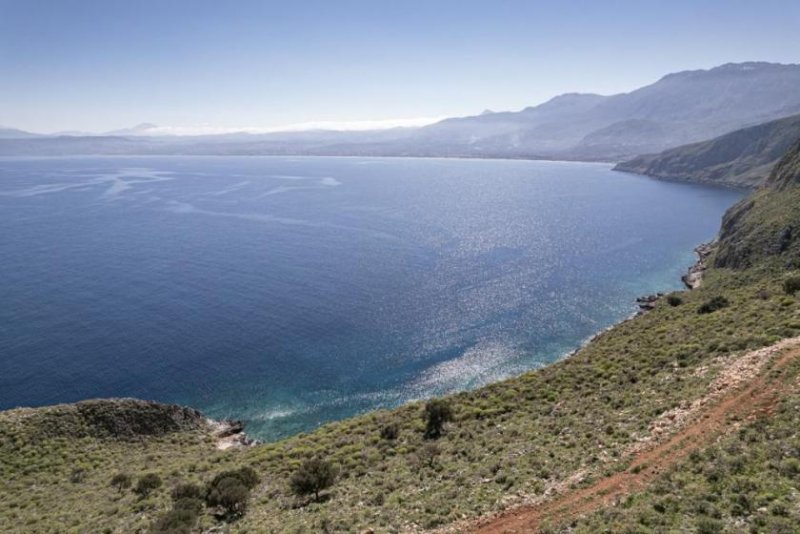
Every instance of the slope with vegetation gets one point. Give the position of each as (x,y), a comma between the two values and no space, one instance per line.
(749,479)
(442,464)
(741,158)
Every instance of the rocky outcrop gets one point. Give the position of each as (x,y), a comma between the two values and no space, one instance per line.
(648,302)
(123,419)
(694,277)
(230,434)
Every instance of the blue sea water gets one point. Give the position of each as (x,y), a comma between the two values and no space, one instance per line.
(289,292)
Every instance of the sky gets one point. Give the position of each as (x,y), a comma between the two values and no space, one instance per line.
(205,66)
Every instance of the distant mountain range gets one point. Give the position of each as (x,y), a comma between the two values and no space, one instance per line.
(679,108)
(742,158)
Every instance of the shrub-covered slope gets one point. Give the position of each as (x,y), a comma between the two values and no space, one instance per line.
(741,158)
(750,480)
(516,441)
(766,225)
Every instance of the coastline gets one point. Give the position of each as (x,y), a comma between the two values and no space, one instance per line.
(694,277)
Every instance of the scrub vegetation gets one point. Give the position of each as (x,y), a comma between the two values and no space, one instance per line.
(428,465)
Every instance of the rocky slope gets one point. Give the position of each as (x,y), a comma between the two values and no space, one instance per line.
(742,158)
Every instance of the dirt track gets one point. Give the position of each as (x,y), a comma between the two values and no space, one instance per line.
(757,397)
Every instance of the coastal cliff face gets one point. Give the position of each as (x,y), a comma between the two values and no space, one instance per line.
(743,158)
(764,226)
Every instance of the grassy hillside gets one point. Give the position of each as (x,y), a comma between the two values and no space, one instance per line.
(750,480)
(512,442)
(741,158)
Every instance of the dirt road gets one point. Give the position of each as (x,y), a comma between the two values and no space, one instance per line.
(754,398)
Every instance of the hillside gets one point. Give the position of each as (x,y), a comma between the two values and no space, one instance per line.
(543,437)
(741,158)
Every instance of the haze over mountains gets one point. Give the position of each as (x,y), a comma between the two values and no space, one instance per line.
(680,108)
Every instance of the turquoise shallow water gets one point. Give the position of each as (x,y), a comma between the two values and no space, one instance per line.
(293,291)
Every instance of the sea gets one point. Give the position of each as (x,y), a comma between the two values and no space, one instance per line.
(288,292)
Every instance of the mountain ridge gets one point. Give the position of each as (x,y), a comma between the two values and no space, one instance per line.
(743,158)
(679,108)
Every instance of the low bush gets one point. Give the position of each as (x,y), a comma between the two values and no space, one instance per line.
(121,481)
(389,431)
(791,285)
(674,300)
(77,475)
(710,306)
(188,491)
(147,484)
(181,519)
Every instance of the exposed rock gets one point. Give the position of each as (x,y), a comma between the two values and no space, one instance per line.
(781,244)
(694,277)
(648,302)
(230,434)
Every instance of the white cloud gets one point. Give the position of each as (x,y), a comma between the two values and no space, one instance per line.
(207,129)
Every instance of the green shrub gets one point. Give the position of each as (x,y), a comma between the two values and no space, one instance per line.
(791,285)
(188,491)
(716,303)
(313,476)
(437,413)
(147,483)
(674,300)
(121,481)
(389,431)
(77,475)
(180,519)
(428,453)
(230,490)
(707,525)
(230,494)
(246,475)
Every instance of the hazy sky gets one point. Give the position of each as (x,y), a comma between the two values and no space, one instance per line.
(100,65)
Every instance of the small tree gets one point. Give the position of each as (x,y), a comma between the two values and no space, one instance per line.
(231,490)
(313,476)
(121,481)
(437,413)
(147,483)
